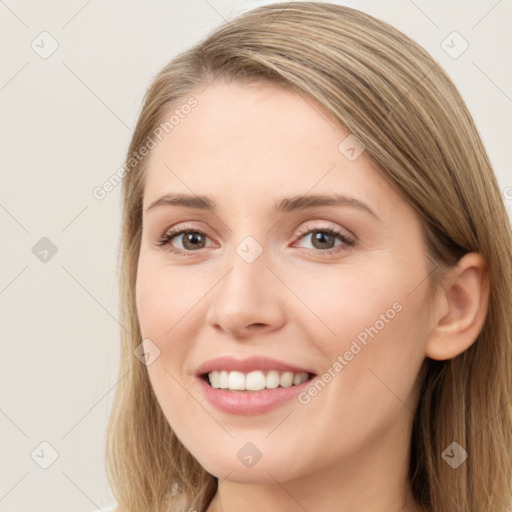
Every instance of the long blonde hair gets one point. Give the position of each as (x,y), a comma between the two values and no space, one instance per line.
(402,106)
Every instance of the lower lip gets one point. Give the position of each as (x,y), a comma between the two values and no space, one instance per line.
(250,402)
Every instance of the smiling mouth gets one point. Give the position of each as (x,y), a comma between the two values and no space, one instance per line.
(254,381)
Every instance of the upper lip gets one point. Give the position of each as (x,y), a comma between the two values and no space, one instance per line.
(247,365)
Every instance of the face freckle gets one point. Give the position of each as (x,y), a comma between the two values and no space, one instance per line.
(357,318)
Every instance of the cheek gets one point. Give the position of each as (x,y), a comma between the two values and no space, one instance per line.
(162,313)
(372,326)
(341,303)
(165,297)
(370,379)
(167,318)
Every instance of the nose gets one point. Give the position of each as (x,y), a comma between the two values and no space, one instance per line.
(247,300)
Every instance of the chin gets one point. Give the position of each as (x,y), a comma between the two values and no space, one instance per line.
(260,473)
(255,476)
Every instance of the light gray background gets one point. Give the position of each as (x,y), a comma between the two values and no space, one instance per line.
(65,125)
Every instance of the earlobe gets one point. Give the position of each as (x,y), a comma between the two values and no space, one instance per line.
(465,296)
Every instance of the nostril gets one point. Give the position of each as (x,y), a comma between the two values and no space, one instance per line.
(257,325)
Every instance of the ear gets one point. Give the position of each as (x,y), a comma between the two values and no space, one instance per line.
(460,309)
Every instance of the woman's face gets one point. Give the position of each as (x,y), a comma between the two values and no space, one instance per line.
(271,270)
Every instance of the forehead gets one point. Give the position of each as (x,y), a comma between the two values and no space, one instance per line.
(244,139)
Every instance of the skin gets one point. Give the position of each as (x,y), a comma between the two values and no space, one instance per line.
(246,146)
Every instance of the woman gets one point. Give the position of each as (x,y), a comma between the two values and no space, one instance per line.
(316,280)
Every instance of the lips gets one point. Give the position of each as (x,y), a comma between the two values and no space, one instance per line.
(247,365)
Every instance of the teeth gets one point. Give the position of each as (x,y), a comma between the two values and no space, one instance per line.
(236,380)
(296,379)
(286,379)
(223,379)
(256,380)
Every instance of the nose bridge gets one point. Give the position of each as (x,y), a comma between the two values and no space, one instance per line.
(247,263)
(245,295)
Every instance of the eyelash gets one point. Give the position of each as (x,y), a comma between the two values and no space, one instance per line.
(167,237)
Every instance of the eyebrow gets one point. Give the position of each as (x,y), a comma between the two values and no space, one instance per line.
(285,205)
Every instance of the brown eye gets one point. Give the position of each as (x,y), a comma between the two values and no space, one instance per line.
(322,240)
(193,240)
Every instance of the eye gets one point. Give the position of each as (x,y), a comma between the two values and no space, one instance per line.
(323,240)
(192,240)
